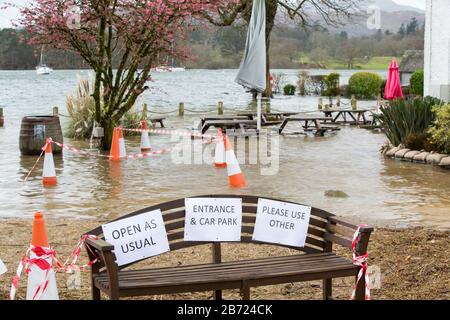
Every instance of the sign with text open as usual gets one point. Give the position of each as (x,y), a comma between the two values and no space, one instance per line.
(137,237)
(281,223)
(211,219)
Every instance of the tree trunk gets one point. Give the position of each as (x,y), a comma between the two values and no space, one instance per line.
(108,126)
(271,12)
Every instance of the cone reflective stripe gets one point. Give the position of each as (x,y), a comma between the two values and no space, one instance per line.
(49,173)
(123,151)
(41,276)
(235,177)
(115,146)
(145,141)
(219,156)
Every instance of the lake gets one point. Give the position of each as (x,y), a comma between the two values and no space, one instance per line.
(382,192)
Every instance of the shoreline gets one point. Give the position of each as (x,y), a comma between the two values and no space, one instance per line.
(412,261)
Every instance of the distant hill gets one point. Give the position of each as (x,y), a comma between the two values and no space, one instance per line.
(393,16)
(391,6)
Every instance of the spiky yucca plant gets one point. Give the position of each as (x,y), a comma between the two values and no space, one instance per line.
(403,119)
(81,110)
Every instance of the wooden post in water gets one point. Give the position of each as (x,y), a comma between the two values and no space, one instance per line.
(55,112)
(338,101)
(330,99)
(268,107)
(320,103)
(2,120)
(354,103)
(144,112)
(220,107)
(181,109)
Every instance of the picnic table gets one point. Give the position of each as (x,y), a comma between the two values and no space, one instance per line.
(278,116)
(310,124)
(219,118)
(341,116)
(241,124)
(159,120)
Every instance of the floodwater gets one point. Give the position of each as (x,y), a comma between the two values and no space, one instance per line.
(381,192)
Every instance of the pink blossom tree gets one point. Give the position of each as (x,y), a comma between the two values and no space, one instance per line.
(120,40)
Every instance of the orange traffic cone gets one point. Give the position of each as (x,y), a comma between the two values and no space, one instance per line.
(41,278)
(123,151)
(235,177)
(49,173)
(115,146)
(145,141)
(219,156)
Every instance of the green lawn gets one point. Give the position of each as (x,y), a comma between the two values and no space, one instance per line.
(375,63)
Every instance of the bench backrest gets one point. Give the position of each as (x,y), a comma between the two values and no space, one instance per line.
(324,229)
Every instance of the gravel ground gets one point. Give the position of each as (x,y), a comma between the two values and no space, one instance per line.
(414,263)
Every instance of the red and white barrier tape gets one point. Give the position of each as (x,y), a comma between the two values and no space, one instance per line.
(131,156)
(360,261)
(44,254)
(172,133)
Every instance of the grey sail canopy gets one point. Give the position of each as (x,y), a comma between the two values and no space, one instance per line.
(252,72)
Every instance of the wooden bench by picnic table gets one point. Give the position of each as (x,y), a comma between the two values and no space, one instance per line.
(159,120)
(315,261)
(310,124)
(340,116)
(241,124)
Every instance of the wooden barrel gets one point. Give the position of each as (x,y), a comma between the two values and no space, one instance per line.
(34,132)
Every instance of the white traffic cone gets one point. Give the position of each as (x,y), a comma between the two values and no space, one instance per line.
(219,156)
(235,177)
(123,150)
(145,140)
(49,173)
(41,278)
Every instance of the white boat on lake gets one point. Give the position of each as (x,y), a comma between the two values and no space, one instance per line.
(42,68)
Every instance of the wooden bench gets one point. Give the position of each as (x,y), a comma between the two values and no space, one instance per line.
(316,261)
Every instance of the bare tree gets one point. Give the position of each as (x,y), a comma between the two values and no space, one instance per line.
(331,12)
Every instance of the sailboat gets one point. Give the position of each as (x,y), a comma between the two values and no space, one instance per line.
(42,68)
(166,68)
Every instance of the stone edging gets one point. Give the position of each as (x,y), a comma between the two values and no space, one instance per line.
(404,154)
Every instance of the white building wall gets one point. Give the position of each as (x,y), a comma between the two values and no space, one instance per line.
(437,49)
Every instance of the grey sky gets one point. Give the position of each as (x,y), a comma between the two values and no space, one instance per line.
(7,15)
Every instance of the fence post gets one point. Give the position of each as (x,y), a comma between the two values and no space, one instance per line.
(144,112)
(354,103)
(320,103)
(181,109)
(338,101)
(55,112)
(330,99)
(220,107)
(268,107)
(2,120)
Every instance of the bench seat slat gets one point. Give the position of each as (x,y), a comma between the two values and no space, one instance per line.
(233,271)
(255,269)
(272,260)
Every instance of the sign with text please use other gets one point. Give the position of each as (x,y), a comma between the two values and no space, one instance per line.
(138,237)
(281,223)
(211,219)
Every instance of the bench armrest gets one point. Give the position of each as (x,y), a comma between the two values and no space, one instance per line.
(100,244)
(341,232)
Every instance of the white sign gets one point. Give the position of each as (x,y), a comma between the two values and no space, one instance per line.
(210,219)
(138,237)
(2,268)
(281,223)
